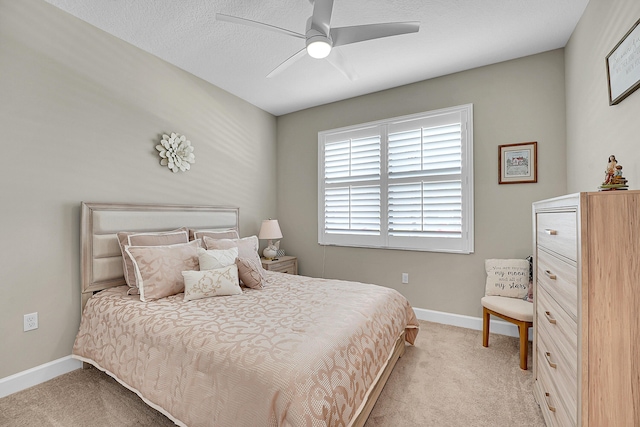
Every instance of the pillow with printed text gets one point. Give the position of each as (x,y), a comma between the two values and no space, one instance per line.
(507,277)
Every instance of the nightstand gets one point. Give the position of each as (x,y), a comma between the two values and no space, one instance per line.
(283,264)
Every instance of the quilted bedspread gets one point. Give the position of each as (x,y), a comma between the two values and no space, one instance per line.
(300,352)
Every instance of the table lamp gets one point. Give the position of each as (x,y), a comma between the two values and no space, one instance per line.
(270,230)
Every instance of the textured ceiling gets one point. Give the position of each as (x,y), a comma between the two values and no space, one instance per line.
(455,35)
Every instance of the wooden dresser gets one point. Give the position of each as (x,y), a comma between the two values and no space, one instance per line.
(587,309)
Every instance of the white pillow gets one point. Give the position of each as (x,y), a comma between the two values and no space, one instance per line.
(507,277)
(247,246)
(211,283)
(216,258)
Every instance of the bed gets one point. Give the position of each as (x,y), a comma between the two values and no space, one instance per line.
(300,351)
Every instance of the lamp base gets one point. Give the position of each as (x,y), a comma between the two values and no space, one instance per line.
(270,252)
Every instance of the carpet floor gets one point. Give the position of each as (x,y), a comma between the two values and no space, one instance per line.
(446,380)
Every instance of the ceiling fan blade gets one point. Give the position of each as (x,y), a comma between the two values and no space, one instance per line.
(341,64)
(293,58)
(321,16)
(359,33)
(256,24)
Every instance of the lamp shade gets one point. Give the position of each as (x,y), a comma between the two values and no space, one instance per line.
(270,229)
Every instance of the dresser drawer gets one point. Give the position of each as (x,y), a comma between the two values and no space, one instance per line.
(560,279)
(550,400)
(563,328)
(557,231)
(561,367)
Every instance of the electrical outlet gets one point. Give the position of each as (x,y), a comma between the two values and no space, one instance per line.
(30,322)
(405,278)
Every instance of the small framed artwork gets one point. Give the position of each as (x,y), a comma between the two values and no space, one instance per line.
(518,163)
(623,66)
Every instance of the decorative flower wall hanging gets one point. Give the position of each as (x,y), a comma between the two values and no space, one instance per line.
(176,152)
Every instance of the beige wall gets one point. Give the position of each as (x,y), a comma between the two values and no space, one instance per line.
(516,101)
(594,129)
(81,113)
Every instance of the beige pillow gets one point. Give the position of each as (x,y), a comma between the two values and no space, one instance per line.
(507,277)
(214,234)
(247,246)
(159,268)
(251,274)
(159,238)
(211,283)
(217,258)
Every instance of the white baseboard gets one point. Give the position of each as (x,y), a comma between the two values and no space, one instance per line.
(42,373)
(37,375)
(496,326)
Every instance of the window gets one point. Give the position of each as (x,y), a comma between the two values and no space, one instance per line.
(403,183)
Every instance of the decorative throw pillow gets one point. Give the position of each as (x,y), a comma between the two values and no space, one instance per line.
(217,258)
(529,296)
(251,273)
(507,277)
(214,234)
(530,260)
(247,246)
(211,283)
(159,268)
(159,238)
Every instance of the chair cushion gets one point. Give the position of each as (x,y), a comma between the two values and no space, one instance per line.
(515,308)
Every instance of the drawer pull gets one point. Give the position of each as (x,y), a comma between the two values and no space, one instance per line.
(551,232)
(550,275)
(547,356)
(549,318)
(551,408)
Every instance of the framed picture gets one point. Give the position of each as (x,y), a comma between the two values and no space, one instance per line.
(623,66)
(518,163)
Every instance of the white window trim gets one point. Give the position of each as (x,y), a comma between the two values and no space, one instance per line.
(395,242)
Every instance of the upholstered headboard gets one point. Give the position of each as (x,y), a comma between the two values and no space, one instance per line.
(101,259)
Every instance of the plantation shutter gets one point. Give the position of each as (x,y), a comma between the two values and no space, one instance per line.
(404,183)
(425,172)
(352,199)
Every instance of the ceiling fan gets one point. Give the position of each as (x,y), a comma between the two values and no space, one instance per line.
(320,38)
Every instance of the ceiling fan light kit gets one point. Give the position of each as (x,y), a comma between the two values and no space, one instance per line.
(318,47)
(320,38)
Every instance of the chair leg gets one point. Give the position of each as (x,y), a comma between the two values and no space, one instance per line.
(524,344)
(523,331)
(485,326)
